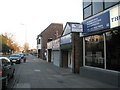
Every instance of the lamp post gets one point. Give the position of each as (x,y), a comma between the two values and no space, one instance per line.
(25,32)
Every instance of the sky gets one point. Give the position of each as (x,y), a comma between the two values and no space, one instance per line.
(25,19)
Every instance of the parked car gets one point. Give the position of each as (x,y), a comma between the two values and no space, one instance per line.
(7,71)
(21,54)
(15,58)
(23,57)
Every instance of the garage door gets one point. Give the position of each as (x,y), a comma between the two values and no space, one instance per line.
(56,58)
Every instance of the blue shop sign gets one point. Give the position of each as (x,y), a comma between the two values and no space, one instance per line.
(97,23)
(66,39)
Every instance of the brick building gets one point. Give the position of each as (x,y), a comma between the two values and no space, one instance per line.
(52,32)
(66,51)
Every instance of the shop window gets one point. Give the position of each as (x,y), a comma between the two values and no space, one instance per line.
(87,12)
(94,51)
(97,6)
(113,50)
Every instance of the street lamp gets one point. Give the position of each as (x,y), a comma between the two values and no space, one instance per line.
(25,32)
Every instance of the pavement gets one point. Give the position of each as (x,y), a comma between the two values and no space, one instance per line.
(37,73)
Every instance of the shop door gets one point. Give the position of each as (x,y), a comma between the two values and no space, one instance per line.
(69,59)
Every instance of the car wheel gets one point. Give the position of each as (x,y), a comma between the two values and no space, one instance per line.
(19,61)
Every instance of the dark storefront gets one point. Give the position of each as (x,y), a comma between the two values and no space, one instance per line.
(101,46)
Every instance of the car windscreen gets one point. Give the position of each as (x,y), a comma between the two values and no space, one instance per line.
(14,55)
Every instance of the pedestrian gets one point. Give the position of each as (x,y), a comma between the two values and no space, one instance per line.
(24,60)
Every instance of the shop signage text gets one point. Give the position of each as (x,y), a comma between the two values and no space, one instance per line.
(53,44)
(77,28)
(97,23)
(56,43)
(115,17)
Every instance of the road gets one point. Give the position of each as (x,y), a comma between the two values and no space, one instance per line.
(36,73)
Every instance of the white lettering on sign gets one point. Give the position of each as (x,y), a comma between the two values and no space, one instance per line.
(77,28)
(115,17)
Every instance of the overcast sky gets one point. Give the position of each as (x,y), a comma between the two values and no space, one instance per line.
(33,16)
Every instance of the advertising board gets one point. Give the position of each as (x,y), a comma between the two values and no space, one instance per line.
(97,23)
(115,17)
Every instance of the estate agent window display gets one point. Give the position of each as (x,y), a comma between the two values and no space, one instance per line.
(103,52)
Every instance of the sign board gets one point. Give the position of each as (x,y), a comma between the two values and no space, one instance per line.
(49,45)
(97,23)
(115,17)
(56,43)
(77,28)
(53,44)
(66,39)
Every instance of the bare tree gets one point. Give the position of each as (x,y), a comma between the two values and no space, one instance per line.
(26,46)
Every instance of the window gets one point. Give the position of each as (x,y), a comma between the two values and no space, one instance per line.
(87,8)
(113,50)
(50,39)
(94,51)
(86,3)
(92,7)
(109,3)
(87,12)
(38,41)
(97,6)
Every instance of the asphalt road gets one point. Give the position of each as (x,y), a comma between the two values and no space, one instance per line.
(36,73)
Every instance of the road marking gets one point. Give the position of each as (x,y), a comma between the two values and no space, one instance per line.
(37,70)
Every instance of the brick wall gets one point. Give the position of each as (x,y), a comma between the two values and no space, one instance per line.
(50,32)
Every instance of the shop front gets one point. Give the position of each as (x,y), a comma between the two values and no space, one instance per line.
(53,52)
(101,46)
(56,53)
(66,50)
(69,45)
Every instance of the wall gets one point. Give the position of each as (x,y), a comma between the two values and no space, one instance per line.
(50,32)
